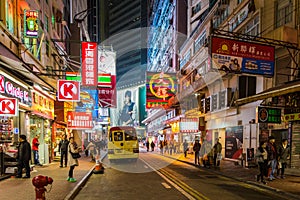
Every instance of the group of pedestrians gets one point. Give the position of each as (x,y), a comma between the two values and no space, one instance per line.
(272,159)
(67,149)
(169,147)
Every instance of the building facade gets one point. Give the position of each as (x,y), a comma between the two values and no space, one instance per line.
(227,94)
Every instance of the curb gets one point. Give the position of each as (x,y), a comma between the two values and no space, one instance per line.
(244,181)
(82,183)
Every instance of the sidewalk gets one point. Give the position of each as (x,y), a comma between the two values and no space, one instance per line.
(14,189)
(289,186)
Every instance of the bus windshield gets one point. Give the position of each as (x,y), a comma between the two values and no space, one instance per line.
(130,135)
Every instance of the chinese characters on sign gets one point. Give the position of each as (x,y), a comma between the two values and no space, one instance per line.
(269,115)
(242,57)
(31,26)
(160,88)
(107,78)
(79,120)
(89,63)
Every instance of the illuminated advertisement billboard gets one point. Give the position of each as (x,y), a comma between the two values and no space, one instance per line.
(107,78)
(233,56)
(88,102)
(31,23)
(160,88)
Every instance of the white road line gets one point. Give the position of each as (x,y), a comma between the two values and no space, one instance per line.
(166,185)
(187,195)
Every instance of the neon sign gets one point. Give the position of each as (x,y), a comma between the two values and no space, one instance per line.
(31,23)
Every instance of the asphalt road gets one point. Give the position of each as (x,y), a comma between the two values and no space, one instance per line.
(157,177)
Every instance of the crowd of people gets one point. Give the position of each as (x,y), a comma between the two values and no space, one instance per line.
(272,159)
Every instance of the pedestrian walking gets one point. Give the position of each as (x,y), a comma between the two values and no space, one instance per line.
(272,158)
(63,149)
(217,153)
(206,153)
(196,149)
(161,146)
(147,145)
(152,146)
(185,147)
(35,150)
(23,157)
(283,157)
(262,160)
(72,162)
(91,147)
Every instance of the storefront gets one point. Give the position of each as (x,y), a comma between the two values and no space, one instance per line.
(12,125)
(40,123)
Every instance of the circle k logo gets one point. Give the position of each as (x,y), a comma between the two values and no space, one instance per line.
(68,90)
(8,106)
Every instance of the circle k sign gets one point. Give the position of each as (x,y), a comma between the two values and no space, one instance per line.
(8,107)
(68,90)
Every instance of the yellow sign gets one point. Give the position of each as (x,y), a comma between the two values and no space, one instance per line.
(291,117)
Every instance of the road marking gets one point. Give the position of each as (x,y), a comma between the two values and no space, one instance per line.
(166,185)
(187,191)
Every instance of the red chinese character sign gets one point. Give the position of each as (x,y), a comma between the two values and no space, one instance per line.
(68,90)
(107,78)
(8,107)
(89,56)
(160,88)
(242,57)
(79,120)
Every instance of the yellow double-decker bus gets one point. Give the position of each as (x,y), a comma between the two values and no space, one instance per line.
(122,143)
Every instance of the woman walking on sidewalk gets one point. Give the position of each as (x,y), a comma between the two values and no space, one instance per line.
(262,160)
(72,162)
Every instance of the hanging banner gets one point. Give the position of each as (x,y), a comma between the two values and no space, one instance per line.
(233,56)
(107,78)
(79,120)
(42,105)
(160,88)
(89,56)
(31,23)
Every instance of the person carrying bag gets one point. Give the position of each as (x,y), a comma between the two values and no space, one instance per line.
(73,155)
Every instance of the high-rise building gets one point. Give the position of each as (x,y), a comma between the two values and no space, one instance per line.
(126,19)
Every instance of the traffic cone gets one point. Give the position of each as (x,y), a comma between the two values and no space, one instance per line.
(99,169)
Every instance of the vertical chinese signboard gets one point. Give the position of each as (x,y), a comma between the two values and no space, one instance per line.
(242,57)
(160,88)
(89,52)
(31,23)
(107,79)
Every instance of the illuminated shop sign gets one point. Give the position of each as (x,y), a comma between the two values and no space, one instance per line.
(31,23)
(89,63)
(160,88)
(233,56)
(79,120)
(269,115)
(42,105)
(12,89)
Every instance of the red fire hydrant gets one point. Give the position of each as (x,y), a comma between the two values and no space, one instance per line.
(40,182)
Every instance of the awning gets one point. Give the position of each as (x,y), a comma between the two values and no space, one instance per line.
(12,62)
(154,115)
(272,92)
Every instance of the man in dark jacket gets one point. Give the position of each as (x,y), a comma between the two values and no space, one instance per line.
(217,150)
(63,149)
(23,157)
(196,149)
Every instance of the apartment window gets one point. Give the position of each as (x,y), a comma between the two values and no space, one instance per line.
(10,16)
(239,1)
(283,13)
(46,23)
(252,28)
(185,59)
(196,9)
(200,41)
(247,86)
(47,48)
